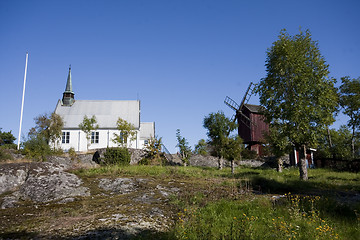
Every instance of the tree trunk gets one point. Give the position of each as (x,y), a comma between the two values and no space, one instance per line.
(232,167)
(302,167)
(279,164)
(221,161)
(353,142)
(330,144)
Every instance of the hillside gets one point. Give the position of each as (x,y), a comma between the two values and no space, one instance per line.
(54,201)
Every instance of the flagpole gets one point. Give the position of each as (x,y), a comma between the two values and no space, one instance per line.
(22,102)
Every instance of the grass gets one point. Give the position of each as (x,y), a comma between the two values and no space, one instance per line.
(295,217)
(253,203)
(265,180)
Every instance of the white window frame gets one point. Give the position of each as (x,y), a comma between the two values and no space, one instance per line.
(95,137)
(65,138)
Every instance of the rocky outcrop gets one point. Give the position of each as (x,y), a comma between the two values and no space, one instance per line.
(38,182)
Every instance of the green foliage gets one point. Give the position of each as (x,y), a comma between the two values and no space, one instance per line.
(154,154)
(87,126)
(6,138)
(278,143)
(218,128)
(233,148)
(297,93)
(5,154)
(341,139)
(36,148)
(201,148)
(127,130)
(72,153)
(48,127)
(248,154)
(184,148)
(350,102)
(117,156)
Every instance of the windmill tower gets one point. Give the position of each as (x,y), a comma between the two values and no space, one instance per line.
(251,124)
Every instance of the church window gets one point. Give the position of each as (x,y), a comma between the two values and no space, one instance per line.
(65,137)
(95,137)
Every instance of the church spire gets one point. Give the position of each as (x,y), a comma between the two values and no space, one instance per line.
(68,95)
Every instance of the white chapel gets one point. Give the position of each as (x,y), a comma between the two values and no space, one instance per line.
(107,113)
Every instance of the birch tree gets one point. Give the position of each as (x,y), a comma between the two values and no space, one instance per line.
(87,126)
(297,91)
(127,132)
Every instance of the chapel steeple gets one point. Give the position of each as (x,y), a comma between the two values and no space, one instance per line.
(68,95)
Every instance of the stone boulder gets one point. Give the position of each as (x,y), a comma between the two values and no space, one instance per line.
(38,182)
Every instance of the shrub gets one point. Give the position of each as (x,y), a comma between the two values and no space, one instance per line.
(36,148)
(117,156)
(5,155)
(157,160)
(72,153)
(248,154)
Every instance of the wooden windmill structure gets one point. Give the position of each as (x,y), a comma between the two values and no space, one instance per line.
(251,124)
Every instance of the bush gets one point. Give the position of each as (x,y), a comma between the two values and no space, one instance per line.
(36,148)
(5,155)
(117,156)
(158,160)
(248,154)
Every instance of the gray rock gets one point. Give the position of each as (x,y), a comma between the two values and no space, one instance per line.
(205,161)
(38,182)
(12,176)
(10,201)
(118,185)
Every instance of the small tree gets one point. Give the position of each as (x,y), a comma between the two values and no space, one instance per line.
(350,102)
(184,148)
(232,150)
(218,126)
(127,132)
(6,138)
(87,126)
(201,148)
(153,148)
(48,128)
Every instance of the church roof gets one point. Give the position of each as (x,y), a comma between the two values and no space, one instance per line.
(147,130)
(106,112)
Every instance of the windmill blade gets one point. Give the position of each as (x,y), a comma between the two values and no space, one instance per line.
(246,97)
(231,103)
(233,118)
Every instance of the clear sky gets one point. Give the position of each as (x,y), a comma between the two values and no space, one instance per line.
(181,58)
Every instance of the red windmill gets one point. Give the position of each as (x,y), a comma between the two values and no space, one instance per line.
(251,124)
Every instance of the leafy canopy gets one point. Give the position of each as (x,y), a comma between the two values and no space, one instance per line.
(201,147)
(48,127)
(87,126)
(350,103)
(218,127)
(297,92)
(127,131)
(153,147)
(6,138)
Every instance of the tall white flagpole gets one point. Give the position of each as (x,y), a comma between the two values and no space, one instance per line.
(22,102)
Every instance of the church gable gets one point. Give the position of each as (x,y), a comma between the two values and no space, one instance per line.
(107,113)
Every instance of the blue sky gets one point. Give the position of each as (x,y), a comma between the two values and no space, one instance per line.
(181,58)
